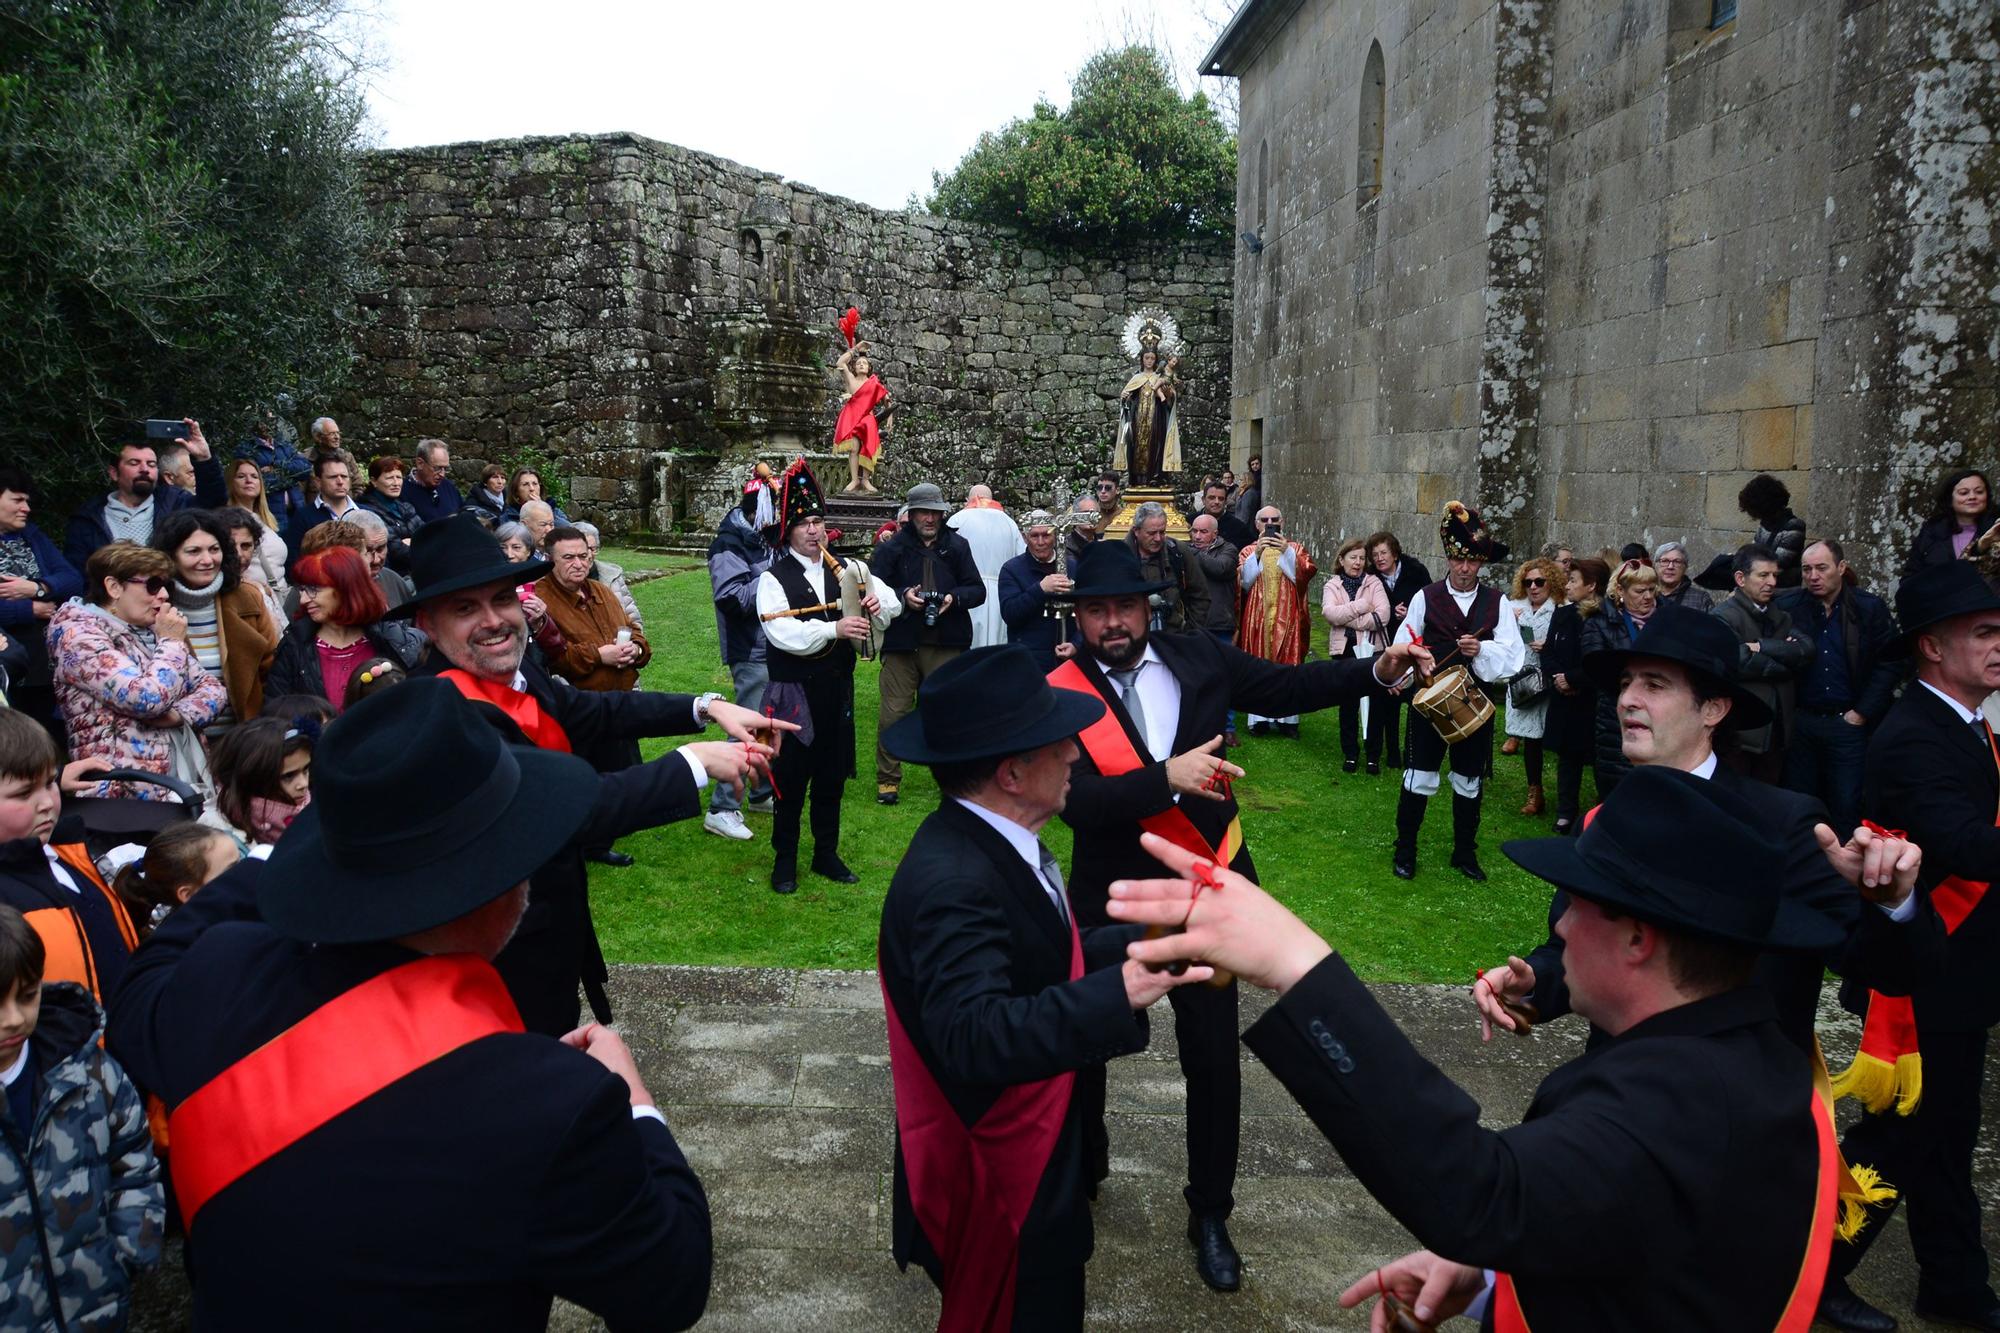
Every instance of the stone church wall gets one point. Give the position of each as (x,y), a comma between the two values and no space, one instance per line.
(563,294)
(1621,263)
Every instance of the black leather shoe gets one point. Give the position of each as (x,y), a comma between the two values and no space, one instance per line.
(1839,1306)
(1214,1257)
(887,797)
(1981,1315)
(785,879)
(1468,866)
(1374,769)
(828,866)
(1348,765)
(1260,728)
(1403,866)
(1289,730)
(611,858)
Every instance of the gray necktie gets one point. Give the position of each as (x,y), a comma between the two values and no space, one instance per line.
(1128,691)
(1052,877)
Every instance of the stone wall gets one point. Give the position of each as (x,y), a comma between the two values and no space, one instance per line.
(566,294)
(1698,253)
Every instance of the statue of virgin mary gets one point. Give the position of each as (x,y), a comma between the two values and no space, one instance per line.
(1149,441)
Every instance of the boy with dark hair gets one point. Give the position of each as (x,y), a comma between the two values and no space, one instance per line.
(68,1246)
(46,873)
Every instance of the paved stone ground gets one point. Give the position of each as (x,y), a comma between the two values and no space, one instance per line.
(777,1085)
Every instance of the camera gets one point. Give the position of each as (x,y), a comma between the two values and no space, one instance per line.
(933,604)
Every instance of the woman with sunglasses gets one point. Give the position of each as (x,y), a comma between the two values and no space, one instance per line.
(130,688)
(1537,594)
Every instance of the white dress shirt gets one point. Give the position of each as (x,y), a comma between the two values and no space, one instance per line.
(1027,846)
(1965,715)
(1499,657)
(1159,698)
(694,764)
(799,635)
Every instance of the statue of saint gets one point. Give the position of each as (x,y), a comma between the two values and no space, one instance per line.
(865,417)
(1149,441)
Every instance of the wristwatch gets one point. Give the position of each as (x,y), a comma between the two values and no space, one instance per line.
(701,703)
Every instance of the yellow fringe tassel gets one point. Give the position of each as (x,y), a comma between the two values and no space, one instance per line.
(1868,1189)
(1877,1084)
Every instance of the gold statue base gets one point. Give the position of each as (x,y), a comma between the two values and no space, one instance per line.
(1121,522)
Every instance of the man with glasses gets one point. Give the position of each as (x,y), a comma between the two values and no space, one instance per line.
(604,650)
(430,490)
(1105,491)
(1671,560)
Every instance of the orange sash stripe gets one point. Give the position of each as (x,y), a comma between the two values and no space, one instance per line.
(334,1058)
(524,708)
(1112,751)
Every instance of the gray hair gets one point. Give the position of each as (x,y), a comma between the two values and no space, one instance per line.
(321,421)
(425,448)
(540,507)
(511,531)
(171,457)
(1666,547)
(588,529)
(1147,512)
(368,519)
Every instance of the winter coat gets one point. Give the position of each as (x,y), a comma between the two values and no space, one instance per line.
(1571,725)
(295,668)
(736,557)
(899,562)
(1933,541)
(1186,594)
(1531,720)
(1784,536)
(1690,596)
(1607,631)
(400,517)
(1772,671)
(1867,630)
(87,529)
(17,615)
(613,577)
(122,693)
(82,1206)
(1366,614)
(1218,569)
(249,638)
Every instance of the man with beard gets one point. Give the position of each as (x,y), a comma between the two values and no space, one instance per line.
(137,501)
(466,601)
(1152,764)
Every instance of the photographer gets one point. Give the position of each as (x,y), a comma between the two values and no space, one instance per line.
(931,568)
(1183,604)
(1273,620)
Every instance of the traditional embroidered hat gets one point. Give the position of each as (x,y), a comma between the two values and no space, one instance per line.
(760,502)
(1465,537)
(800,497)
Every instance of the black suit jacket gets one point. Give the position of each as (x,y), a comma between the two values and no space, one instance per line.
(1664,1180)
(556,944)
(1880,953)
(1411,579)
(975,960)
(1932,775)
(1214,677)
(463,1196)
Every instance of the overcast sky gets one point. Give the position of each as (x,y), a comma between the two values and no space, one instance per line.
(864,100)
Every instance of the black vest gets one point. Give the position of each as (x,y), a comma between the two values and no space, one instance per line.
(1444,625)
(837,658)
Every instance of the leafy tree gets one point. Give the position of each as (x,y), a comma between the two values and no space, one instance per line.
(182,232)
(1130,158)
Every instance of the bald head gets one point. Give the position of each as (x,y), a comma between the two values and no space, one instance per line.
(1203,531)
(978,493)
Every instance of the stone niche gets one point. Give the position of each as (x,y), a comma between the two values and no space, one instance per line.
(657,318)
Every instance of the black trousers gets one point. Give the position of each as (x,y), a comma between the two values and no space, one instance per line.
(1385,713)
(1569,783)
(1350,722)
(1927,1157)
(613,756)
(818,771)
(1049,1301)
(1426,752)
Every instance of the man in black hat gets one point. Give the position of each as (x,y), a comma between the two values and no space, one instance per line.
(936,583)
(1680,1177)
(1934,770)
(1160,767)
(811,647)
(466,602)
(1459,619)
(995,998)
(1675,693)
(363,1134)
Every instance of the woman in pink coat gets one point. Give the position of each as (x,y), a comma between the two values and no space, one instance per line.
(1356,607)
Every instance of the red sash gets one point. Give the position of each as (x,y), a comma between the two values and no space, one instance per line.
(1888,1069)
(336,1057)
(1508,1317)
(1112,751)
(972,1185)
(524,708)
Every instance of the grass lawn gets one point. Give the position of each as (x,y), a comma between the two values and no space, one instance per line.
(1321,840)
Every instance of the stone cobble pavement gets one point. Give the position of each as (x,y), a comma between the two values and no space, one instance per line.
(777,1085)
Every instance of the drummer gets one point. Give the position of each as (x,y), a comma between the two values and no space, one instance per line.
(1457,619)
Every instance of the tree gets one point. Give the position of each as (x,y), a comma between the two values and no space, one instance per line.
(1130,158)
(182,232)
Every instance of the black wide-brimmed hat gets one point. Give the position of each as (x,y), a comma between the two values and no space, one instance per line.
(1698,642)
(988,703)
(420,814)
(456,553)
(1664,849)
(1720,575)
(1936,593)
(1110,569)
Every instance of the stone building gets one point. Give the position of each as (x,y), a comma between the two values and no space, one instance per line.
(1591,264)
(650,315)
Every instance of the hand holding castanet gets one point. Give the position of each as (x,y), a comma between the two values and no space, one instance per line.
(1194,772)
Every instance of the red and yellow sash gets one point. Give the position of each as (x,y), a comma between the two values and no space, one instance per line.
(971,1185)
(330,1061)
(1509,1317)
(1112,751)
(1888,1068)
(524,709)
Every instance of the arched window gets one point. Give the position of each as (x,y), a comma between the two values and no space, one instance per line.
(1374,98)
(1263,185)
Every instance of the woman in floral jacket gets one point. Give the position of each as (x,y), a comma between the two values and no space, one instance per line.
(129,688)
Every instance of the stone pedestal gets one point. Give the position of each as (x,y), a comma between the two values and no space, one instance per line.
(857,517)
(1121,522)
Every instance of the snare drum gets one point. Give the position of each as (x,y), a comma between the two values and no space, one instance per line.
(1454,704)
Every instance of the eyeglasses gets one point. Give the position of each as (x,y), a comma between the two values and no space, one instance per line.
(154,586)
(1534,583)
